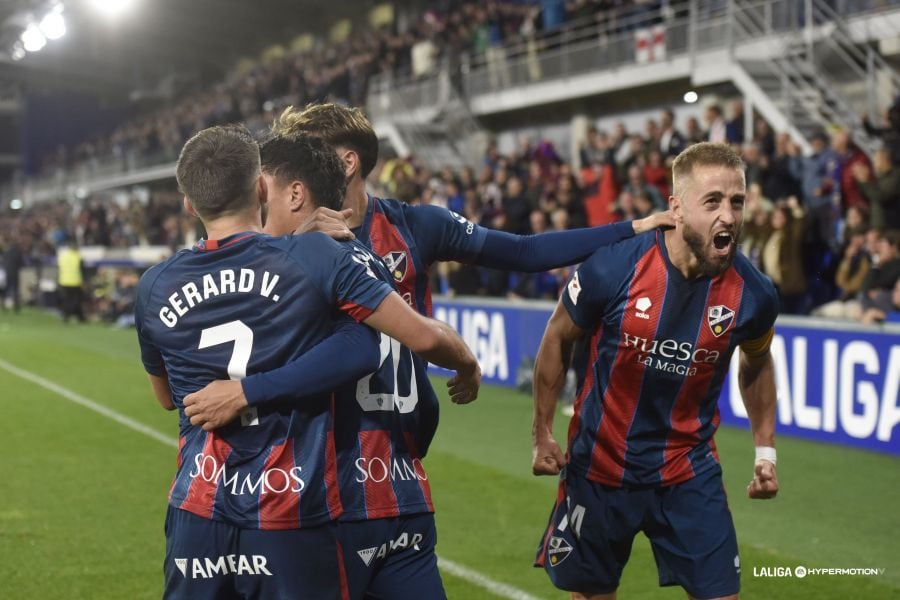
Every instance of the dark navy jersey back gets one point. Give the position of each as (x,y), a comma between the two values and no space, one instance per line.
(251,303)
(660,346)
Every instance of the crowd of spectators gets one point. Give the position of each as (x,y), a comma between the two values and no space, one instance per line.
(822,226)
(337,71)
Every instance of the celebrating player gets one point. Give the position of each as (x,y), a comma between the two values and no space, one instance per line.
(243,302)
(664,312)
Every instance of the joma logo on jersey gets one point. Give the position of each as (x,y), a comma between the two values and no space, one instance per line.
(401,543)
(230,564)
(720,319)
(276,481)
(397,263)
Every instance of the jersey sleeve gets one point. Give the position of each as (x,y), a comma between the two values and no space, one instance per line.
(352,345)
(150,354)
(344,274)
(587,293)
(442,234)
(551,250)
(762,325)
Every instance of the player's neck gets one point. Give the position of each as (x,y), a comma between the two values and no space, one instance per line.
(680,254)
(357,199)
(221,228)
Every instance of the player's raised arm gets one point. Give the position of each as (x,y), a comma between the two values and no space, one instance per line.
(757,382)
(550,368)
(434,341)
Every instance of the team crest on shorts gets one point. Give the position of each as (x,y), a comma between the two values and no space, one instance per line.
(719,319)
(558,550)
(397,263)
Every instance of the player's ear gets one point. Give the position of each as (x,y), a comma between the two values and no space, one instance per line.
(189,207)
(351,162)
(262,190)
(299,196)
(675,208)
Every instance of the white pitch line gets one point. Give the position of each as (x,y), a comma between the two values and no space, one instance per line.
(474,577)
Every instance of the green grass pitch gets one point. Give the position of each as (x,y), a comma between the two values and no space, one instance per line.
(83,497)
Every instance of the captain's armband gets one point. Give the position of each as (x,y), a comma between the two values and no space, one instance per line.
(759,346)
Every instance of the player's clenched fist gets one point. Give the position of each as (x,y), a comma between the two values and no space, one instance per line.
(764,484)
(464,386)
(547,456)
(216,405)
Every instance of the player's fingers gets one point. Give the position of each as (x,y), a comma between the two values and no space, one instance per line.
(189,399)
(197,420)
(191,410)
(346,213)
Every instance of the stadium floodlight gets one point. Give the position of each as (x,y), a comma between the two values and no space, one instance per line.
(53,25)
(32,38)
(112,8)
(691,97)
(15,204)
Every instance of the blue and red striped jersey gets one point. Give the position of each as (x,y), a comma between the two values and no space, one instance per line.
(659,349)
(385,423)
(246,304)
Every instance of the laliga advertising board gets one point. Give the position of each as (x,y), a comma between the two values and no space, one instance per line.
(837,382)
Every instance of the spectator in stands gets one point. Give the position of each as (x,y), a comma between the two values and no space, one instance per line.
(884,274)
(782,257)
(782,169)
(716,126)
(753,165)
(889,312)
(818,190)
(13,260)
(764,137)
(734,129)
(516,207)
(671,142)
(853,268)
(693,133)
(882,191)
(889,135)
(848,157)
(657,174)
(638,185)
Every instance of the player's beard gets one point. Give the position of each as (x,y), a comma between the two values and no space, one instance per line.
(710,264)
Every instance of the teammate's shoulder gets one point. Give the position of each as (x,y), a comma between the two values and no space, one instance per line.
(151,275)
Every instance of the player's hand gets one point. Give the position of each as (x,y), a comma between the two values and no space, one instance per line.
(330,222)
(764,484)
(547,457)
(216,405)
(660,219)
(464,386)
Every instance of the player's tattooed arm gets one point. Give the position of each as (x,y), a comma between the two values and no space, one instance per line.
(332,223)
(434,341)
(550,368)
(162,391)
(756,376)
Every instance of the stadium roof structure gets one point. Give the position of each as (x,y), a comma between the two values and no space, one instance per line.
(154,39)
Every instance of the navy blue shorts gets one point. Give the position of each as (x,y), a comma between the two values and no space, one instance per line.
(592,527)
(392,559)
(212,560)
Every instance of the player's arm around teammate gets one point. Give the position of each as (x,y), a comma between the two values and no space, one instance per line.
(757,382)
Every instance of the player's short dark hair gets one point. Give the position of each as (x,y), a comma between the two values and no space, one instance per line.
(218,169)
(310,160)
(336,124)
(704,154)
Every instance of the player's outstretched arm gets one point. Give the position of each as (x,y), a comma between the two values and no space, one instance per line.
(554,249)
(757,382)
(162,391)
(354,346)
(550,368)
(434,341)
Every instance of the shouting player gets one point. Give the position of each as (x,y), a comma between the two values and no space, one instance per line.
(242,302)
(664,313)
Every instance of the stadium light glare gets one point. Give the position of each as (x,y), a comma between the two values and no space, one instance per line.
(32,38)
(112,8)
(53,25)
(16,204)
(691,97)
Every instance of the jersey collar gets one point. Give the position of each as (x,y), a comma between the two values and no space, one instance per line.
(208,245)
(364,231)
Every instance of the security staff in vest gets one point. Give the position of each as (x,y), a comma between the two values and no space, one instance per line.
(68,261)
